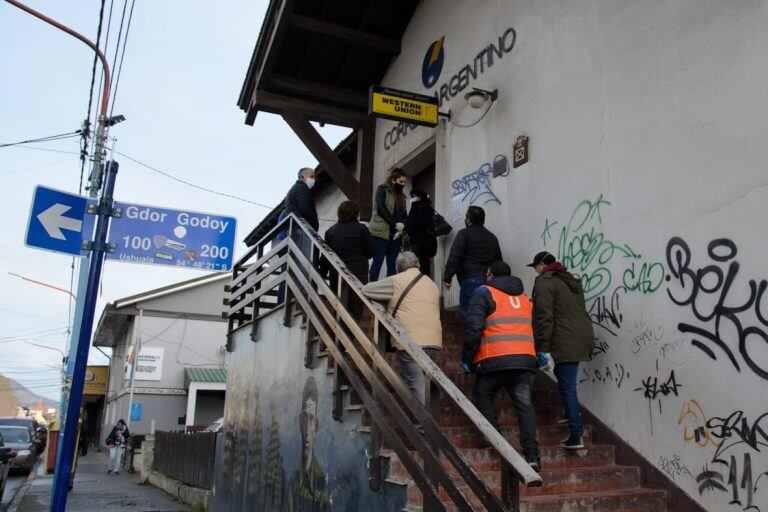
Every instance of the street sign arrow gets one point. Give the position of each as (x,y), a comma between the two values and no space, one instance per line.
(58,222)
(53,221)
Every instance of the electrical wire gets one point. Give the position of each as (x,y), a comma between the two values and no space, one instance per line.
(104,51)
(119,38)
(122,56)
(49,149)
(204,189)
(490,104)
(87,122)
(50,138)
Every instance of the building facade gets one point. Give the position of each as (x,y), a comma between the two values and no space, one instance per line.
(645,174)
(180,367)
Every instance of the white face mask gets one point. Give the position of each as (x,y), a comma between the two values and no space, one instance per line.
(413,200)
(310,182)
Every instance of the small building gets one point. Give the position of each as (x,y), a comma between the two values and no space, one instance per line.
(180,367)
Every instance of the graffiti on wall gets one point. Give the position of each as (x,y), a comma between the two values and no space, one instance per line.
(732,320)
(693,421)
(731,469)
(476,187)
(673,467)
(586,249)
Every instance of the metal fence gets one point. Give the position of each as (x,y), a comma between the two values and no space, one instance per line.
(186,457)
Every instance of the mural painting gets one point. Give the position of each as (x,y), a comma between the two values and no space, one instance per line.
(281,450)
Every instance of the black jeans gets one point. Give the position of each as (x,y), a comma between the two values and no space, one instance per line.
(519,385)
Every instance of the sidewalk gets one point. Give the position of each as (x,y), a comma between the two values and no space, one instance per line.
(95,490)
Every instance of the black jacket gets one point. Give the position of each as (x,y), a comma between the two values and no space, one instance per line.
(354,244)
(420,229)
(301,202)
(472,252)
(481,306)
(112,437)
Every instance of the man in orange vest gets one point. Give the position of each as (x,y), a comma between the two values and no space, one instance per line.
(499,348)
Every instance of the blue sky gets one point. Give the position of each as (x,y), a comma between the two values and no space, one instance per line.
(183,69)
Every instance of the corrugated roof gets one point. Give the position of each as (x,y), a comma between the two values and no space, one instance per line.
(206,374)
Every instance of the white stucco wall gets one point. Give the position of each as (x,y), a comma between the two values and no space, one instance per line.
(647,176)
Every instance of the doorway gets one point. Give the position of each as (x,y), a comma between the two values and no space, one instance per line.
(420,168)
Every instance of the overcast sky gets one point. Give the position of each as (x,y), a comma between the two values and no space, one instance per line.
(184,65)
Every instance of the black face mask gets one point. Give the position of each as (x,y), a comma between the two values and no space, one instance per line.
(399,187)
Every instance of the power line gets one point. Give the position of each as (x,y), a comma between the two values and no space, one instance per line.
(50,138)
(87,123)
(122,56)
(168,175)
(49,149)
(119,38)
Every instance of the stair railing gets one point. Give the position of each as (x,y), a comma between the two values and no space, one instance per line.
(285,272)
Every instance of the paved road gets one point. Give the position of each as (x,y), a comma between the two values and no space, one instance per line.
(14,482)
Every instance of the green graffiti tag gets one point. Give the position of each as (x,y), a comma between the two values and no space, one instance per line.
(584,248)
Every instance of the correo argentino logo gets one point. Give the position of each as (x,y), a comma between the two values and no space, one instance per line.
(433,63)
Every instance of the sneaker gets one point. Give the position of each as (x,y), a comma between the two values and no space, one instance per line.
(109,471)
(534,462)
(115,472)
(572,443)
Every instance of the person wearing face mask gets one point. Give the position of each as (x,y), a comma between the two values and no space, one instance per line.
(388,222)
(300,200)
(472,252)
(420,229)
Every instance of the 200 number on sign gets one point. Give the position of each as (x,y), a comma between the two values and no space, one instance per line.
(214,251)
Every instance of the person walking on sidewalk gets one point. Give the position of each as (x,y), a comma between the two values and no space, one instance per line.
(414,301)
(472,252)
(116,442)
(388,222)
(563,332)
(499,348)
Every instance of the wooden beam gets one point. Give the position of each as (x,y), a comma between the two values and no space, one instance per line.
(323,152)
(350,35)
(265,54)
(319,91)
(278,103)
(366,136)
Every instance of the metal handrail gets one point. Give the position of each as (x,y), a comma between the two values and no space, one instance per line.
(328,316)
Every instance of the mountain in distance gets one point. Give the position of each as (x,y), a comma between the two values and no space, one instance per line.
(13,394)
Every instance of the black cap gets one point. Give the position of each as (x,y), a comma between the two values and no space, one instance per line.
(543,257)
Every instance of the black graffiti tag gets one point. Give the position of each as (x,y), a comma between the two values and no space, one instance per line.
(709,293)
(736,429)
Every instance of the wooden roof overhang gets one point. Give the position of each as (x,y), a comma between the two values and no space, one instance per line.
(315,61)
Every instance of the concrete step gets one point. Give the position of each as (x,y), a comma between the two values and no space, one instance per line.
(552,457)
(547,435)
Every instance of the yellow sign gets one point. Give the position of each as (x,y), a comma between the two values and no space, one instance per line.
(403,106)
(95,380)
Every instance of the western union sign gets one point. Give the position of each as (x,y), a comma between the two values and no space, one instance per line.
(403,106)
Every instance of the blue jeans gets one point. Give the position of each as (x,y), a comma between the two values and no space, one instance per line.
(466,288)
(385,249)
(567,374)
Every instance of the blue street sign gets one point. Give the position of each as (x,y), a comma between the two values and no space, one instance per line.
(159,236)
(136,410)
(58,222)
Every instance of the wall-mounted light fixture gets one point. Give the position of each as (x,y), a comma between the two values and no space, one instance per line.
(479,97)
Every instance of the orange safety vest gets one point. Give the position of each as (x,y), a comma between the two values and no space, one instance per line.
(508,331)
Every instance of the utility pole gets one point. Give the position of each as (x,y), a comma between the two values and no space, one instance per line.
(83,322)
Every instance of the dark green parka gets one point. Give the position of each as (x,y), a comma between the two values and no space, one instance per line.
(561,324)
